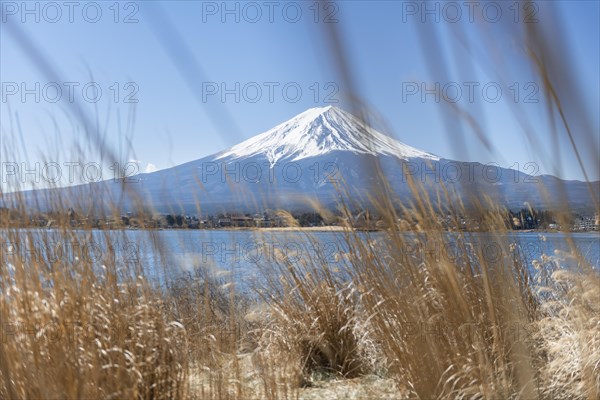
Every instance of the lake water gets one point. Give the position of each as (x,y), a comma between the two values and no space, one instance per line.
(239,255)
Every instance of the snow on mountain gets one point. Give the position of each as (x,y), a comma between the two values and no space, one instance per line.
(319,137)
(319,131)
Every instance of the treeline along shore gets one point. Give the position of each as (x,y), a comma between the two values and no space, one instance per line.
(525,219)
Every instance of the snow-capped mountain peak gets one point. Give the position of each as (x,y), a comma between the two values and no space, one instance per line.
(318,131)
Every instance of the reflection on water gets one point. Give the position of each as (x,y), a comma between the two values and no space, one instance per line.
(239,255)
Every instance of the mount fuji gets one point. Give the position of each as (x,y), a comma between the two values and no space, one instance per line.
(317,132)
(306,160)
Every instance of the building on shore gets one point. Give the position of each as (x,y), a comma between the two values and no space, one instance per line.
(587,223)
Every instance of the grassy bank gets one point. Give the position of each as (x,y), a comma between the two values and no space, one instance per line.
(381,325)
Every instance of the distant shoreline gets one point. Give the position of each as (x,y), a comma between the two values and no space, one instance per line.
(327,228)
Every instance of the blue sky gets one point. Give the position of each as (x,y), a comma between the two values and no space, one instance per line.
(177,120)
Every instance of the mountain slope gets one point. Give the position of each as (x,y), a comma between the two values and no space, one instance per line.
(306,159)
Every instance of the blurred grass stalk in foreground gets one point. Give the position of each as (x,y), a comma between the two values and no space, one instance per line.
(460,328)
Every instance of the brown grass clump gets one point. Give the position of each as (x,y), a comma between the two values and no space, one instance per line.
(80,334)
(321,332)
(569,337)
(446,323)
